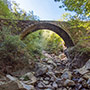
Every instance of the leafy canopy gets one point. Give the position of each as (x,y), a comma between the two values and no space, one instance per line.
(81,7)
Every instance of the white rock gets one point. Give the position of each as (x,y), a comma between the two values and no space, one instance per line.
(11,77)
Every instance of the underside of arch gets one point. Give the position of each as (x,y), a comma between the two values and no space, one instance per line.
(63,34)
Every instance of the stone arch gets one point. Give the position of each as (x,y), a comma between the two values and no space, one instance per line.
(39,26)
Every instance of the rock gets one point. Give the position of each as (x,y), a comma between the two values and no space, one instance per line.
(85,68)
(76,72)
(59,82)
(62,89)
(50,67)
(11,77)
(51,75)
(69,83)
(46,78)
(41,85)
(88,81)
(40,78)
(84,84)
(51,62)
(46,82)
(76,59)
(2,82)
(66,75)
(15,80)
(87,65)
(79,86)
(54,85)
(20,84)
(41,70)
(9,86)
(81,80)
(52,79)
(62,56)
(29,78)
(86,76)
(68,53)
(3,79)
(48,89)
(27,87)
(49,86)
(44,60)
(58,73)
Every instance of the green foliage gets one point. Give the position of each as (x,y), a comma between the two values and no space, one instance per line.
(80,33)
(11,10)
(81,7)
(52,42)
(21,14)
(13,53)
(43,40)
(11,47)
(78,29)
(4,10)
(33,43)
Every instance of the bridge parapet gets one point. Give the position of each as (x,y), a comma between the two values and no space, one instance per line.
(22,24)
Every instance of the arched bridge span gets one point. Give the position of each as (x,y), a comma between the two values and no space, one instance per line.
(43,25)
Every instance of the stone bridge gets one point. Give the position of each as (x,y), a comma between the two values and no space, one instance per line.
(26,27)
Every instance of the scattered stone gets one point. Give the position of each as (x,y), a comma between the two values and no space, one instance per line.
(66,75)
(85,69)
(41,85)
(46,82)
(81,80)
(20,84)
(46,78)
(51,62)
(48,89)
(54,85)
(50,73)
(69,83)
(41,71)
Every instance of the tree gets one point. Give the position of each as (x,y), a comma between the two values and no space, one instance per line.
(81,7)
(4,10)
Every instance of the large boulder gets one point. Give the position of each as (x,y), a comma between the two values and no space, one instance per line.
(85,69)
(76,58)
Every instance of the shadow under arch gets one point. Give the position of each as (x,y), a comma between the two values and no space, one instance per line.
(40,26)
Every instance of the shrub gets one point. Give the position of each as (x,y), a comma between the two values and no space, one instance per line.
(12,51)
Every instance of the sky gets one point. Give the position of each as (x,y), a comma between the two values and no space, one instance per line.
(45,9)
